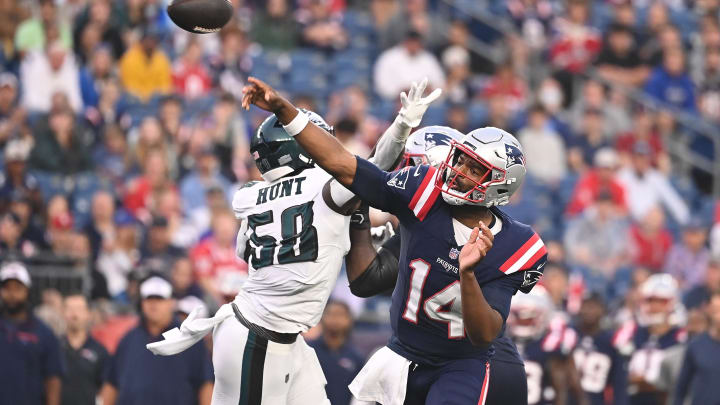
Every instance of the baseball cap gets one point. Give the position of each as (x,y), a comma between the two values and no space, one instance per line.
(8,79)
(696,224)
(606,158)
(16,150)
(15,271)
(155,287)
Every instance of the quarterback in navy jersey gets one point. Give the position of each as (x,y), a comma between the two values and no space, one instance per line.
(646,340)
(602,369)
(373,270)
(461,259)
(545,343)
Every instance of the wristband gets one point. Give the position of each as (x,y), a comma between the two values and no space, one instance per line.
(297,124)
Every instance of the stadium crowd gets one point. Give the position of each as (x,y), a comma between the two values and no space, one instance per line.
(122,144)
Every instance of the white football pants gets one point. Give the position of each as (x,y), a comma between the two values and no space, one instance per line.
(250,370)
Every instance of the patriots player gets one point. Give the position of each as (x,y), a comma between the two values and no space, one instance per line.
(545,344)
(372,272)
(454,288)
(645,341)
(293,234)
(602,369)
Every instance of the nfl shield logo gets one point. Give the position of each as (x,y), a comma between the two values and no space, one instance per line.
(454,253)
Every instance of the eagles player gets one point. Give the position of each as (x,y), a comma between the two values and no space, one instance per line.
(293,234)
(453,292)
(372,272)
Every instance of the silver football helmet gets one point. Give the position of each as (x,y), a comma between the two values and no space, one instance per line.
(499,168)
(530,314)
(429,146)
(660,303)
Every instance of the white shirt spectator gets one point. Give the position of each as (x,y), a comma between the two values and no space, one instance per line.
(650,189)
(45,73)
(399,66)
(545,153)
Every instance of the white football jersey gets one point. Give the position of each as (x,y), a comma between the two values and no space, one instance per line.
(294,245)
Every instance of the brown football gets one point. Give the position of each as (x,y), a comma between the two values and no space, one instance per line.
(200,16)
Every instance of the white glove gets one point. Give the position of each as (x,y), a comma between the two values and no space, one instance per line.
(414,104)
(192,330)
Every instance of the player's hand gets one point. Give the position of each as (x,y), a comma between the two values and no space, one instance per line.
(414,104)
(481,240)
(262,95)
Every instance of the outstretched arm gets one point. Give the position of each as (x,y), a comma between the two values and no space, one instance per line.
(327,152)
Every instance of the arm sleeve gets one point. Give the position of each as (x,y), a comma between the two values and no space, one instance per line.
(381,274)
(53,364)
(499,292)
(407,191)
(685,378)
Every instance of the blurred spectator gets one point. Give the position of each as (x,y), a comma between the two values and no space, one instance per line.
(345,132)
(136,376)
(230,134)
(59,73)
(597,242)
(458,88)
(600,179)
(397,67)
(700,369)
(183,279)
(231,65)
(85,358)
(591,139)
(458,43)
(619,60)
(650,241)
(699,296)
(101,229)
(183,231)
(12,118)
(157,254)
(709,86)
(320,28)
(670,84)
(104,16)
(143,191)
(111,157)
(31,33)
(507,85)
(145,69)
(30,352)
(413,15)
(16,182)
(94,75)
(688,260)
(556,284)
(216,255)
(665,38)
(647,187)
(498,114)
(596,96)
(59,148)
(119,255)
(575,44)
(13,246)
(544,148)
(643,131)
(456,117)
(191,78)
(205,175)
(352,102)
(533,20)
(339,360)
(274,28)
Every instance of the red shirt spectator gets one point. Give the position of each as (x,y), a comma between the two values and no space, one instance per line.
(601,178)
(651,241)
(506,84)
(190,77)
(576,43)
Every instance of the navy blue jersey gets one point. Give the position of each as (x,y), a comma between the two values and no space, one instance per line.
(602,370)
(646,352)
(537,354)
(426,312)
(700,372)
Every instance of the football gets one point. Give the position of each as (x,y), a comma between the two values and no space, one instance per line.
(200,16)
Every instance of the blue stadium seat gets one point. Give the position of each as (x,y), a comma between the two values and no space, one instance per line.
(477,114)
(435,114)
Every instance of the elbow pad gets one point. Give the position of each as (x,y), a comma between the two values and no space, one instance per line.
(380,276)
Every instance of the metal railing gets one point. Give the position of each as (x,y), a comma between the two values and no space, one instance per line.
(680,152)
(48,271)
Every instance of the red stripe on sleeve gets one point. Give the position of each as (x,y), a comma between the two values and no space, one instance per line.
(515,257)
(421,189)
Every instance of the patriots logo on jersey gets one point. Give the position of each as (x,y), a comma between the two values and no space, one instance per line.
(514,156)
(433,139)
(399,179)
(530,278)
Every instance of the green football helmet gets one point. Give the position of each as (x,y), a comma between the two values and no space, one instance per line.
(278,154)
